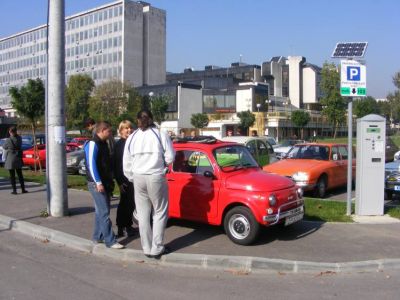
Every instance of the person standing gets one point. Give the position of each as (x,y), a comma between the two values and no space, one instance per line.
(100,184)
(126,204)
(13,162)
(147,154)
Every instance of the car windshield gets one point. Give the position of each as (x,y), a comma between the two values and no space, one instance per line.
(234,157)
(309,152)
(271,141)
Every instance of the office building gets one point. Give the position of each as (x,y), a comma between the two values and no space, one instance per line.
(123,40)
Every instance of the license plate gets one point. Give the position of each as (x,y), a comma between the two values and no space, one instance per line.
(294,219)
(29,156)
(397,187)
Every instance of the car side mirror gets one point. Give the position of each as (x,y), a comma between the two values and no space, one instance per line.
(209,174)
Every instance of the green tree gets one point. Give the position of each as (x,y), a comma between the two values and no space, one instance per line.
(136,103)
(159,105)
(363,107)
(396,80)
(29,102)
(109,101)
(77,95)
(300,118)
(199,120)
(393,100)
(334,106)
(247,120)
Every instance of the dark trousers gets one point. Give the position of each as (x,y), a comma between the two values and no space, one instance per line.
(126,207)
(20,178)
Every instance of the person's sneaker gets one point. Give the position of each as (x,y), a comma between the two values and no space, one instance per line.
(166,250)
(24,192)
(130,231)
(14,192)
(117,246)
(120,232)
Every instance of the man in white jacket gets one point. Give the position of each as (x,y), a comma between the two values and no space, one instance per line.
(147,154)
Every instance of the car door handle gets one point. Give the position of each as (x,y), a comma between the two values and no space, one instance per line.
(169,179)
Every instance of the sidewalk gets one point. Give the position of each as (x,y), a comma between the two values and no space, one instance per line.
(322,246)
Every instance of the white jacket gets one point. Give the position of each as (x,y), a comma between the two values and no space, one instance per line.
(147,153)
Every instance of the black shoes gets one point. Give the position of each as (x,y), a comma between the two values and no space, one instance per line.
(24,191)
(120,232)
(130,231)
(166,250)
(14,193)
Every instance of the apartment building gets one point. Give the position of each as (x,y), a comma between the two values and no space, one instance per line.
(123,40)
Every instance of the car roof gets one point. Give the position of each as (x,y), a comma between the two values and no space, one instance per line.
(201,146)
(242,139)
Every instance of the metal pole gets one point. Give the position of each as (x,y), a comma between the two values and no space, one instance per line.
(57,185)
(350,154)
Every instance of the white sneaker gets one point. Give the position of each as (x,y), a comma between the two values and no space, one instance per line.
(117,246)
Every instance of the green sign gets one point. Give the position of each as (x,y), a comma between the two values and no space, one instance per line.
(373,130)
(345,91)
(361,91)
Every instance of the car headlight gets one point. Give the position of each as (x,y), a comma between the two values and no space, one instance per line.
(300,176)
(393,177)
(72,160)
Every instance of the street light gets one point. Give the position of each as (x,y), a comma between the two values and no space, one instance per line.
(269,102)
(258,107)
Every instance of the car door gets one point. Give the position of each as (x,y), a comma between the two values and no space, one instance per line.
(193,195)
(262,153)
(252,146)
(338,165)
(344,157)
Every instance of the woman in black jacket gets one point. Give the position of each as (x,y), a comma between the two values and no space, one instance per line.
(126,204)
(13,162)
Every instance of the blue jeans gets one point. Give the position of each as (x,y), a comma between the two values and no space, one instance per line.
(102,223)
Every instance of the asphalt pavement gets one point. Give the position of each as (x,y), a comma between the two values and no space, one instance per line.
(305,246)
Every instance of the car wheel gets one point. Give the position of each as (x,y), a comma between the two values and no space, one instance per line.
(240,226)
(320,188)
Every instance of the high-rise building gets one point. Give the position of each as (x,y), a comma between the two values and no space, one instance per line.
(123,40)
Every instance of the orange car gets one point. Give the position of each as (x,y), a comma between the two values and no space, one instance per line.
(315,167)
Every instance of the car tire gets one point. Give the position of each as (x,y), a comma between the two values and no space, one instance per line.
(240,226)
(320,188)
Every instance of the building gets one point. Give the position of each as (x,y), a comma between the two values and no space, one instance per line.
(123,40)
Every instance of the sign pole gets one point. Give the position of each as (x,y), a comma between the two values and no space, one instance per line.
(350,154)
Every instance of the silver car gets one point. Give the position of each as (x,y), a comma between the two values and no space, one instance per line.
(392,179)
(73,160)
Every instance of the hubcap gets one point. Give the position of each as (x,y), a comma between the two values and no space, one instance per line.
(239,226)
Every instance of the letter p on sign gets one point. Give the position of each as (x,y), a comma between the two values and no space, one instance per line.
(353,73)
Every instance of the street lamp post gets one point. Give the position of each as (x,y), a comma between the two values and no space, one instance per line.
(258,107)
(269,102)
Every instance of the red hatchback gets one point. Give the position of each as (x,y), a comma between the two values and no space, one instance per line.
(221,183)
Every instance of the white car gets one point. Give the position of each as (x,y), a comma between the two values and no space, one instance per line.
(261,150)
(397,156)
(283,148)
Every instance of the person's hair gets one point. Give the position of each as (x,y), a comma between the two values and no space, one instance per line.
(100,126)
(182,131)
(89,122)
(13,130)
(124,124)
(146,111)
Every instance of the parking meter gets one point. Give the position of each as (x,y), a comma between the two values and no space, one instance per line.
(370,168)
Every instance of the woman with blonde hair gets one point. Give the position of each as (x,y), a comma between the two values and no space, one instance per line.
(126,204)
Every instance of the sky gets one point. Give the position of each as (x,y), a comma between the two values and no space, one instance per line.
(219,32)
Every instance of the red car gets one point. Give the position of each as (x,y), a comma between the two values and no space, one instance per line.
(221,183)
(29,158)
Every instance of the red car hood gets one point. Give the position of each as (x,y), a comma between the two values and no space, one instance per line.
(257,180)
(288,167)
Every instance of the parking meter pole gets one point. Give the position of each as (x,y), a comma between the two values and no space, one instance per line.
(57,184)
(350,154)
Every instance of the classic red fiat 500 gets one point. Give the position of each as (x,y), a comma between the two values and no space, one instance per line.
(220,183)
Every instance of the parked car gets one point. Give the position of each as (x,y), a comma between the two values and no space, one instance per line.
(73,160)
(80,140)
(221,183)
(315,167)
(283,148)
(261,150)
(392,179)
(271,141)
(27,141)
(29,158)
(391,150)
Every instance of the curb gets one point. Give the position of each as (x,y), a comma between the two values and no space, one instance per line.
(237,264)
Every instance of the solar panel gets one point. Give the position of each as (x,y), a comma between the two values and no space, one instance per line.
(349,50)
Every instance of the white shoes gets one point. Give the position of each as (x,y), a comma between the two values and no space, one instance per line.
(117,246)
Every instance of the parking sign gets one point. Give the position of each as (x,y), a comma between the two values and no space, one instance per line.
(353,79)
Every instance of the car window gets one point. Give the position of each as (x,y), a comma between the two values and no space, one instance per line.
(263,157)
(270,149)
(343,152)
(194,162)
(234,157)
(251,145)
(309,152)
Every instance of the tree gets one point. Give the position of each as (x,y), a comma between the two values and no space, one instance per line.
(334,106)
(247,120)
(393,100)
(199,120)
(109,101)
(300,118)
(77,95)
(365,107)
(159,105)
(396,80)
(29,102)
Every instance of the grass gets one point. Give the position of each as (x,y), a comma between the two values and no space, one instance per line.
(326,211)
(394,212)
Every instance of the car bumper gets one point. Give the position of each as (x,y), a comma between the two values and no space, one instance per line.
(295,214)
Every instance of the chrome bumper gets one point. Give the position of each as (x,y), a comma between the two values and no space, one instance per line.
(275,218)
